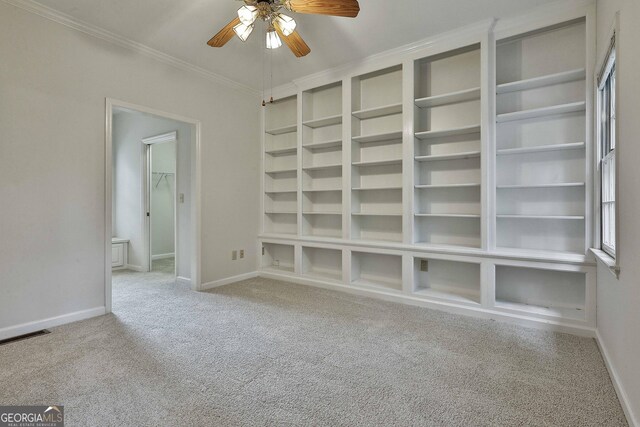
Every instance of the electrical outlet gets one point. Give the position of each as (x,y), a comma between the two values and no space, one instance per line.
(276,263)
(234,255)
(424,265)
(241,253)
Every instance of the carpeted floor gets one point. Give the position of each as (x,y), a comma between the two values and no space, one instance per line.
(265,353)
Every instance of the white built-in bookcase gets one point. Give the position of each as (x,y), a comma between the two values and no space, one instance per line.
(454,175)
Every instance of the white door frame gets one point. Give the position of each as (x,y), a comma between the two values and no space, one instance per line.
(147,182)
(196,220)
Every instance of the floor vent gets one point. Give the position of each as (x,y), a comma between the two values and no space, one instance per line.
(25,337)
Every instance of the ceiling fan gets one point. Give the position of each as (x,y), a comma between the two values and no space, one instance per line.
(281,27)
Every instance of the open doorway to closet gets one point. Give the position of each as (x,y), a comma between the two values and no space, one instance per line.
(154,200)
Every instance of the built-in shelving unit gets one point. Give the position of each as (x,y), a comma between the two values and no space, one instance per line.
(447,148)
(376,156)
(322,161)
(541,129)
(281,167)
(455,176)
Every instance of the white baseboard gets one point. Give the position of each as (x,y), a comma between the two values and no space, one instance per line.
(183,280)
(438,304)
(27,328)
(135,268)
(162,256)
(617,384)
(228,280)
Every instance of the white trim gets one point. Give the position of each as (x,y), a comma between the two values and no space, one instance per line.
(607,260)
(108,36)
(228,280)
(617,384)
(449,307)
(196,180)
(30,327)
(133,267)
(183,280)
(162,256)
(160,139)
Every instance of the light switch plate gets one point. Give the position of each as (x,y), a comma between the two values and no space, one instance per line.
(241,253)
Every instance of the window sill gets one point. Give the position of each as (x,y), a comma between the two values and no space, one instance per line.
(607,260)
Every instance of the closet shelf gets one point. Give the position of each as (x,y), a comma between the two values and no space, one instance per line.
(323,122)
(319,167)
(390,136)
(376,188)
(555,185)
(379,162)
(542,217)
(282,151)
(282,130)
(375,214)
(276,171)
(322,213)
(435,215)
(542,148)
(280,191)
(454,156)
(456,295)
(372,113)
(548,80)
(427,186)
(572,107)
(322,190)
(449,98)
(281,212)
(432,134)
(323,144)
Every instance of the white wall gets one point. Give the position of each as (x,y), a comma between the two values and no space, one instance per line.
(619,300)
(129,128)
(163,198)
(54,81)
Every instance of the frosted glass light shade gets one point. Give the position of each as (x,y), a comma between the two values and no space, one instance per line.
(247,14)
(273,41)
(243,31)
(287,24)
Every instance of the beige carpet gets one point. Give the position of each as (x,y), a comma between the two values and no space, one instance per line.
(267,353)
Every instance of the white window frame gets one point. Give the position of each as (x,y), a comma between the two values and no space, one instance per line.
(609,59)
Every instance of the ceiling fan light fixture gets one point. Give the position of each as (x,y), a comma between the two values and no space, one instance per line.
(273,40)
(243,31)
(286,23)
(248,14)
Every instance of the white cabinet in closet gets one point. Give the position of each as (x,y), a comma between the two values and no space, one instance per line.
(376,156)
(541,140)
(322,161)
(447,152)
(281,167)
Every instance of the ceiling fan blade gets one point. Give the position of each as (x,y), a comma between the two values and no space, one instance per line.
(346,8)
(294,41)
(224,35)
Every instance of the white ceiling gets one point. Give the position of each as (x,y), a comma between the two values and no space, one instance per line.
(181,28)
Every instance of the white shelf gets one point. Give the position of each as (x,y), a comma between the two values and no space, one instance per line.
(281,212)
(379,162)
(390,136)
(427,186)
(280,191)
(280,269)
(275,171)
(434,215)
(282,151)
(323,190)
(455,295)
(556,185)
(432,134)
(282,130)
(372,113)
(379,284)
(542,217)
(333,166)
(454,156)
(323,122)
(322,213)
(375,214)
(576,313)
(376,188)
(542,148)
(323,144)
(548,80)
(553,110)
(449,98)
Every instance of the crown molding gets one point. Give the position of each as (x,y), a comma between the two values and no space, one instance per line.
(70,22)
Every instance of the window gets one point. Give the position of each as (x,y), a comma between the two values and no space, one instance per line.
(607,151)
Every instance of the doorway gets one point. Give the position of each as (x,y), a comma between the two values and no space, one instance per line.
(152,197)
